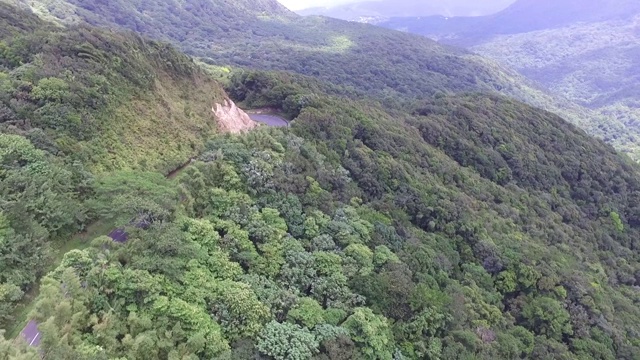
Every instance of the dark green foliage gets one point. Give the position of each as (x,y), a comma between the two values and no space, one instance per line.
(393,67)
(427,253)
(461,227)
(586,52)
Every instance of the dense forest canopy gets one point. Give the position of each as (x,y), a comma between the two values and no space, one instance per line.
(586,51)
(453,227)
(393,67)
(74,104)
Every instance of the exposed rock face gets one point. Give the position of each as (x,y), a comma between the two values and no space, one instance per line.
(231,118)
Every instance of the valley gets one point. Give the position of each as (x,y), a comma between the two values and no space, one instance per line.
(586,53)
(422,203)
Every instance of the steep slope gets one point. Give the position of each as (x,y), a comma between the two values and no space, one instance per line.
(470,227)
(595,64)
(121,95)
(75,103)
(395,68)
(585,51)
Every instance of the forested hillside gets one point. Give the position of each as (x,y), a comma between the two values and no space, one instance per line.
(522,16)
(586,51)
(445,227)
(370,62)
(471,227)
(75,103)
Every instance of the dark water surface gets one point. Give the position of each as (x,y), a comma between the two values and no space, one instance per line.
(269,120)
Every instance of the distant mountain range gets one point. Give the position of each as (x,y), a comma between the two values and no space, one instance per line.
(411,210)
(375,10)
(522,16)
(588,51)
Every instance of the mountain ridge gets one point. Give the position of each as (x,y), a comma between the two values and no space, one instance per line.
(386,9)
(447,225)
(583,51)
(329,49)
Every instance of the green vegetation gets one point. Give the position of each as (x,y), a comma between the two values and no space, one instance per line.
(366,61)
(593,64)
(586,52)
(441,227)
(128,103)
(73,104)
(471,227)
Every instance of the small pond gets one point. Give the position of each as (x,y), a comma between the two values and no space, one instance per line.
(269,120)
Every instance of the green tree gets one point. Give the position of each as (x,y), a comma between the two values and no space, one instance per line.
(51,89)
(372,333)
(126,196)
(16,350)
(547,316)
(360,257)
(307,312)
(285,341)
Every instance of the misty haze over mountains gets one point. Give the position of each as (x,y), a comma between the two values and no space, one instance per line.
(586,51)
(426,202)
(522,16)
(382,9)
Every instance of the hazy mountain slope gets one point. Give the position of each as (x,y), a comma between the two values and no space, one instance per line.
(596,64)
(587,52)
(520,17)
(372,10)
(394,67)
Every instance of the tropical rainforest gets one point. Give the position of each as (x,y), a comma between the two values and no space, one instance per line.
(585,51)
(431,225)
(367,61)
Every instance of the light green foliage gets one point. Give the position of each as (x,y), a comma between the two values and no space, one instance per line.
(361,257)
(123,196)
(203,232)
(51,89)
(238,310)
(40,199)
(617,222)
(18,152)
(372,332)
(546,316)
(307,312)
(9,350)
(9,295)
(285,341)
(193,319)
(506,282)
(383,255)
